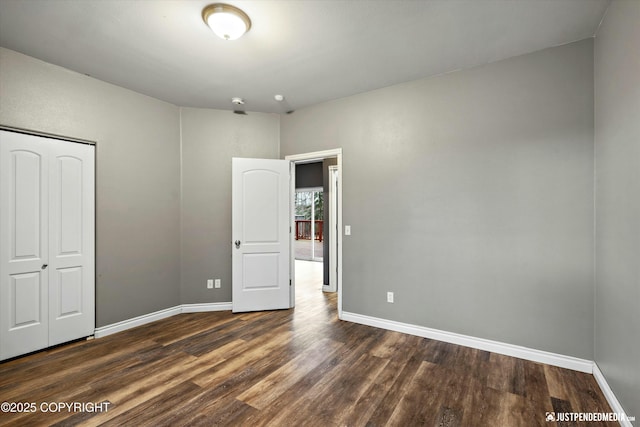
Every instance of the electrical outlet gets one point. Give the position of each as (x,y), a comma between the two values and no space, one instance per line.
(218,283)
(209,283)
(390,297)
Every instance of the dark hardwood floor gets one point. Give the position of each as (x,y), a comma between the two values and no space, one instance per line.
(298,367)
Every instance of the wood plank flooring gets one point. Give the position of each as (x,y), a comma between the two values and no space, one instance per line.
(298,367)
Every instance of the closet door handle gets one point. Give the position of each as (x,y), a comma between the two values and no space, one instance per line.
(44,266)
(237,242)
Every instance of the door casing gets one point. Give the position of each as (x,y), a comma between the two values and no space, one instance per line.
(333,230)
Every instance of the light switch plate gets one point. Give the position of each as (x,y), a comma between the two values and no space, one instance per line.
(347,230)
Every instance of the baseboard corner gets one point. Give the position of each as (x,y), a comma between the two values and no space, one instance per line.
(540,356)
(610,396)
(123,325)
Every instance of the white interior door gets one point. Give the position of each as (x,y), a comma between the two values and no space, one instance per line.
(46,242)
(260,230)
(24,246)
(71,241)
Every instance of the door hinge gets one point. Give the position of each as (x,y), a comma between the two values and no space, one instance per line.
(289,282)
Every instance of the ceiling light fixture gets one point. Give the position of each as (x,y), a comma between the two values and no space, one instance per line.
(226,21)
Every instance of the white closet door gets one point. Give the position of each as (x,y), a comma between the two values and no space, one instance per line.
(71,241)
(24,247)
(47,260)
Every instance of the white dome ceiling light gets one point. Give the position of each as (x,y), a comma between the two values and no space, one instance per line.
(226,21)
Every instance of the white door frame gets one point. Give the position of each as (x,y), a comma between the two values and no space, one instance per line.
(308,158)
(332,199)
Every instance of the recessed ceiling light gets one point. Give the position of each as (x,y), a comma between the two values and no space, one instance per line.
(279,98)
(226,21)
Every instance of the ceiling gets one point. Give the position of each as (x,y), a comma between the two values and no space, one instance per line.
(310,51)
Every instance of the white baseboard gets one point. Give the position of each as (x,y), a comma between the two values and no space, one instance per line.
(103,331)
(540,356)
(608,394)
(211,306)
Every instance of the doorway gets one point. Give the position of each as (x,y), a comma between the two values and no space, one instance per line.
(309,224)
(309,235)
(334,264)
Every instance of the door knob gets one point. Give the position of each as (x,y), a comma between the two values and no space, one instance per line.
(238,244)
(45,266)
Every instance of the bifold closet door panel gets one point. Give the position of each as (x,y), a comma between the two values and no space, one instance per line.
(71,241)
(24,247)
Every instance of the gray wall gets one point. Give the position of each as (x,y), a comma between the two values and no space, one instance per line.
(137,176)
(617,139)
(470,195)
(210,138)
